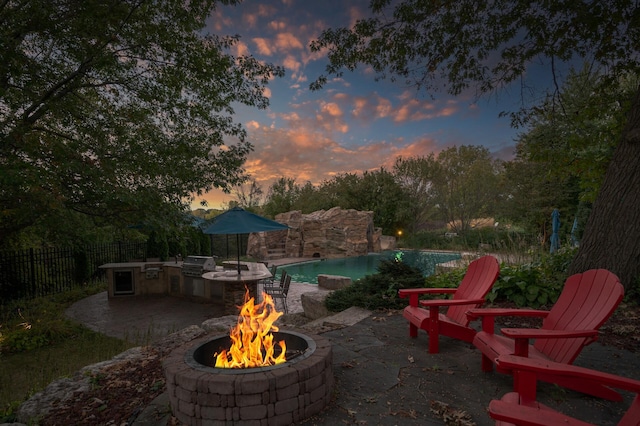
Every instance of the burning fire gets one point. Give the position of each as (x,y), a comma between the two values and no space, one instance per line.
(252,342)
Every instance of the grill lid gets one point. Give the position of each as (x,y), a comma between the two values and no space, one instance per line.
(198,265)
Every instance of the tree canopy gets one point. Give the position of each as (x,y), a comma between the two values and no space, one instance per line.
(453,46)
(466,185)
(484,46)
(118,110)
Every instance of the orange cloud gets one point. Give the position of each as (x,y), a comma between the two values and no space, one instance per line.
(263,45)
(301,153)
(285,42)
(277,25)
(331,118)
(241,49)
(290,62)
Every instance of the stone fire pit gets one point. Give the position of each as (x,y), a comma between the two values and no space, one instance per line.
(276,395)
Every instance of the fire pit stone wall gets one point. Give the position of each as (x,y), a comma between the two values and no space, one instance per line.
(278,395)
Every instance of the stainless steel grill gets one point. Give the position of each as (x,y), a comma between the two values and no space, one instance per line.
(195,266)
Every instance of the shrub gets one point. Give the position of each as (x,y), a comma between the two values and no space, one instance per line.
(534,284)
(377,291)
(449,279)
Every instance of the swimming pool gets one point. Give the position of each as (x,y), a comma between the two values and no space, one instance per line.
(359,266)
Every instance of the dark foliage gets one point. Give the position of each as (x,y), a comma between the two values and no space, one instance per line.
(378,291)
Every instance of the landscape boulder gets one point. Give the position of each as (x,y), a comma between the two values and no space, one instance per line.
(333,282)
(313,304)
(329,233)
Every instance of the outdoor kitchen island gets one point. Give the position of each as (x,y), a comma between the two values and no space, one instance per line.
(197,278)
(228,285)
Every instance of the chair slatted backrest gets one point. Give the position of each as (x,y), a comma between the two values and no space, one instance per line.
(481,274)
(269,282)
(283,278)
(586,302)
(287,284)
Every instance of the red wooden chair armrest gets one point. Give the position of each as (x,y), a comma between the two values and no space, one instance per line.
(414,293)
(450,302)
(538,333)
(409,291)
(500,312)
(530,416)
(567,370)
(488,315)
(522,336)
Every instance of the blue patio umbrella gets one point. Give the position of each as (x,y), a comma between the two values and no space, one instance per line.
(239,221)
(555,227)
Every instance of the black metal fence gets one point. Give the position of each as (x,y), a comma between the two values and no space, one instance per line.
(226,246)
(30,273)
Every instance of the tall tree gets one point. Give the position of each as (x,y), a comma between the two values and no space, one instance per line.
(416,175)
(379,192)
(248,195)
(281,196)
(484,46)
(466,185)
(120,109)
(562,159)
(576,135)
(529,194)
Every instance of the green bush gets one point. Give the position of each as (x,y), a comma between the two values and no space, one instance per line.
(377,291)
(449,279)
(535,284)
(380,291)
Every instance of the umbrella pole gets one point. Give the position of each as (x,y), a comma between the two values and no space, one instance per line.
(238,247)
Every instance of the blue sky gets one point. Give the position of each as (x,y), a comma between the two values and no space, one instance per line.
(355,123)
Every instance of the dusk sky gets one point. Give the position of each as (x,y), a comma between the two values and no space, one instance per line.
(355,123)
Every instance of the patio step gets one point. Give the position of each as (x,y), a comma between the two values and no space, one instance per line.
(276,254)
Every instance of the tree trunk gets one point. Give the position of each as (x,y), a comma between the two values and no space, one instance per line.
(611,239)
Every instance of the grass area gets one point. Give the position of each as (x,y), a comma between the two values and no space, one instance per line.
(39,345)
(23,374)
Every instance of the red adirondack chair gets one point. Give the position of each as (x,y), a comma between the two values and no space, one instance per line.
(586,302)
(521,408)
(477,281)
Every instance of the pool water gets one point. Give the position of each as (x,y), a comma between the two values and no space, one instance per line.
(360,266)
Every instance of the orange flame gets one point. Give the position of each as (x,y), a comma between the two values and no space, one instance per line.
(252,342)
